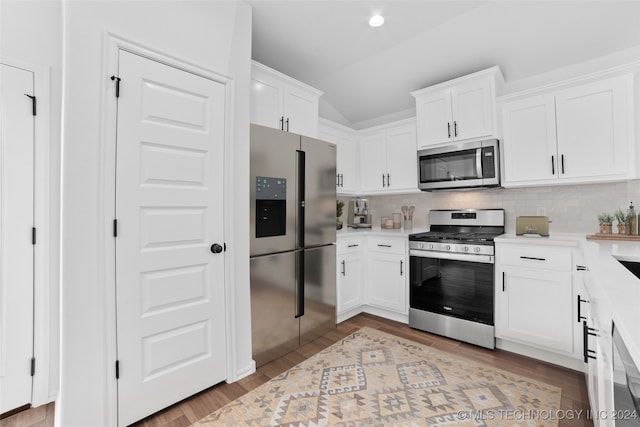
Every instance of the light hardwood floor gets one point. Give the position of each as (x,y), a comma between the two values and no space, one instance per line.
(574,390)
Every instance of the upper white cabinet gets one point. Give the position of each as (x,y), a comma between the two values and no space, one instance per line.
(579,134)
(347,155)
(460,109)
(280,102)
(388,158)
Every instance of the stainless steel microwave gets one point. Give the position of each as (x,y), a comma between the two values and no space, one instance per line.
(462,165)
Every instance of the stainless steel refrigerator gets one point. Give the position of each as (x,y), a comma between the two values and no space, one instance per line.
(293,234)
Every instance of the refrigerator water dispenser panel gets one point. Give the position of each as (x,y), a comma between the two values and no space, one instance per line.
(271,206)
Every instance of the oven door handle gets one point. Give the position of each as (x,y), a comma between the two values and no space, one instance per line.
(485,259)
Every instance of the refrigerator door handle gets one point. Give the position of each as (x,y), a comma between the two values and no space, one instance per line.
(299,284)
(301,164)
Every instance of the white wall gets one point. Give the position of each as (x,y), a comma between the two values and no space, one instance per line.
(213,35)
(31,32)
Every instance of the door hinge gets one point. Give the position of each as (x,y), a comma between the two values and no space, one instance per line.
(115,228)
(33,366)
(33,103)
(117,369)
(33,235)
(117,80)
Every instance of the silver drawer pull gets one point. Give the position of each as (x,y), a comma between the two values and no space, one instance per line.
(384,246)
(353,246)
(533,258)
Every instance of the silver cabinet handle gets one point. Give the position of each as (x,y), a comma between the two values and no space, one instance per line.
(353,245)
(384,246)
(388,180)
(401,272)
(383,180)
(343,268)
(281,122)
(449,129)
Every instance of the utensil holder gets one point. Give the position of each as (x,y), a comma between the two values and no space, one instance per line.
(408,225)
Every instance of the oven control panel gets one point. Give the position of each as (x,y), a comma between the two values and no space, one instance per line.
(460,248)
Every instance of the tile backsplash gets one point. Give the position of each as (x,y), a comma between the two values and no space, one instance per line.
(570,208)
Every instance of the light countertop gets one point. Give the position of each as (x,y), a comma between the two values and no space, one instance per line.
(376,231)
(555,239)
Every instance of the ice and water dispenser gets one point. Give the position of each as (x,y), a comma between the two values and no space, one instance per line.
(271,206)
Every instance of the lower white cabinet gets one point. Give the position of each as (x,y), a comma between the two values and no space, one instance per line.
(536,298)
(598,356)
(372,276)
(350,269)
(533,308)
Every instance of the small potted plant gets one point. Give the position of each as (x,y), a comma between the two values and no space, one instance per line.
(605,220)
(622,218)
(339,206)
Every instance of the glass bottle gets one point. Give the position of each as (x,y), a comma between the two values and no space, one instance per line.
(632,218)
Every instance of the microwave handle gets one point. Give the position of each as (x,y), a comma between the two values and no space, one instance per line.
(479,162)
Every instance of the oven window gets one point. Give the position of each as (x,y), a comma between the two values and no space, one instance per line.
(456,166)
(456,288)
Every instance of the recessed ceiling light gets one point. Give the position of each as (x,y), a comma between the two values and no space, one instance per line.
(376,21)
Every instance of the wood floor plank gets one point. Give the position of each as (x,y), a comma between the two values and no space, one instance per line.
(573,384)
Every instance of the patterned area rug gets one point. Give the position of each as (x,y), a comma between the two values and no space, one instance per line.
(372,378)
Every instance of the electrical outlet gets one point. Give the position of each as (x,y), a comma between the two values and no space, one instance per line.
(541,212)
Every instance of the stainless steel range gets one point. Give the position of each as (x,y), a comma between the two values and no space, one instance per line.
(452,274)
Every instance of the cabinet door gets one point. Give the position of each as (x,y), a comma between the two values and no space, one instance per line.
(301,111)
(373,162)
(534,308)
(350,268)
(386,284)
(266,101)
(348,165)
(529,140)
(435,125)
(472,106)
(594,129)
(402,158)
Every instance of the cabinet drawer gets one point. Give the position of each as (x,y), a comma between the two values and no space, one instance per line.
(348,245)
(545,257)
(386,245)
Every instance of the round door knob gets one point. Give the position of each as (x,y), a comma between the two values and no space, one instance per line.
(216,248)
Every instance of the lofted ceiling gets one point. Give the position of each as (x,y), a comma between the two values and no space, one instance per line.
(367,73)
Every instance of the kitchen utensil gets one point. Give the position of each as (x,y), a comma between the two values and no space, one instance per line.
(404,210)
(412,209)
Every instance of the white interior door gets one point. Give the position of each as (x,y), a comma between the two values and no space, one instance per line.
(169,210)
(16,247)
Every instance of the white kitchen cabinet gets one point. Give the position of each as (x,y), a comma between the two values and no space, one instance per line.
(280,102)
(347,155)
(386,274)
(535,297)
(458,110)
(350,269)
(599,365)
(388,161)
(580,134)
